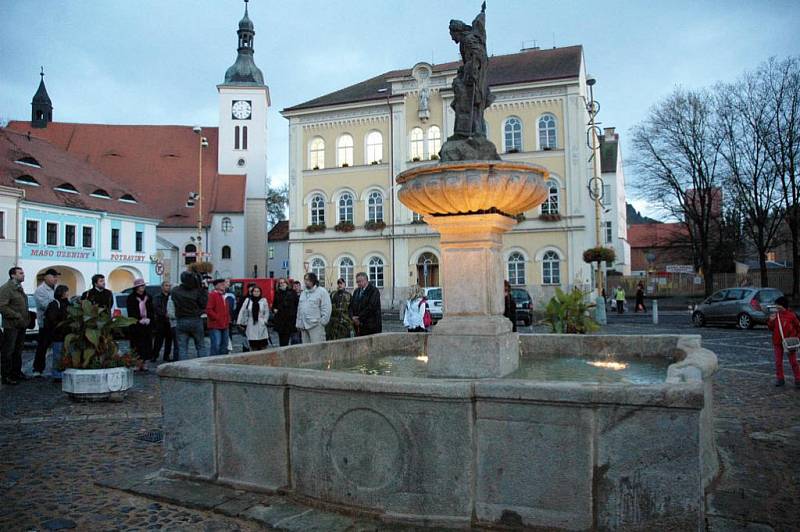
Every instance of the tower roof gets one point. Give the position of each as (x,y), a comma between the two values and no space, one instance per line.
(246,23)
(41,95)
(244,71)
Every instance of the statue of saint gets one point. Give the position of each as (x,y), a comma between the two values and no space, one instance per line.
(424,96)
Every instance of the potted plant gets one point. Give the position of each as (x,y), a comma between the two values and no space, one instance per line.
(315,228)
(377,225)
(344,227)
(92,365)
(568,313)
(599,254)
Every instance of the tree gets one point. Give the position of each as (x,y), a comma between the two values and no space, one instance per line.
(745,124)
(277,200)
(677,155)
(782,87)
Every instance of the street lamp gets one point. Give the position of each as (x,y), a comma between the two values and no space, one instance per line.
(596,181)
(386,91)
(199,196)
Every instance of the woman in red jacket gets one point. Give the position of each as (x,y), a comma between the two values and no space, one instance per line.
(791,329)
(219,319)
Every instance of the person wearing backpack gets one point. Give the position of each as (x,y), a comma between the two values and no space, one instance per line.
(416,312)
(785,329)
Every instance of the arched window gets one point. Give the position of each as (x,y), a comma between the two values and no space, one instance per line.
(512,135)
(547,132)
(551,268)
(318,267)
(375,206)
(190,254)
(434,141)
(316,154)
(374,147)
(344,150)
(375,271)
(551,204)
(516,269)
(346,207)
(427,270)
(226,252)
(317,210)
(227,225)
(346,271)
(417,144)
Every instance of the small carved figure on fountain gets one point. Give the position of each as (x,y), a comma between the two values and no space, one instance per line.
(471,94)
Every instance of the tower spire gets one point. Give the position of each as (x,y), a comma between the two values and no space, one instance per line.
(41,106)
(244,71)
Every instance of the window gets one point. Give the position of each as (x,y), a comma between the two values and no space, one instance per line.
(87,236)
(551,268)
(271,252)
(27,180)
(227,225)
(516,269)
(127,198)
(344,150)
(375,206)
(244,137)
(609,232)
(31,231)
(375,271)
(427,270)
(317,210)
(100,193)
(2,224)
(416,217)
(547,132)
(346,268)
(69,236)
(226,252)
(417,144)
(52,234)
(190,254)
(28,161)
(114,239)
(550,206)
(66,187)
(374,147)
(434,141)
(318,268)
(512,135)
(346,207)
(139,241)
(606,194)
(236,138)
(316,154)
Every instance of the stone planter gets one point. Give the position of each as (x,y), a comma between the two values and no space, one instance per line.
(97,384)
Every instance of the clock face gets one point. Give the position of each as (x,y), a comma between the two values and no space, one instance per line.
(241,110)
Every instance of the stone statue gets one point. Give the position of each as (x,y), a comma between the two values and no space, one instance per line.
(471,94)
(424,96)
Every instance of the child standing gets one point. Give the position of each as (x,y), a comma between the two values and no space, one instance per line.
(790,327)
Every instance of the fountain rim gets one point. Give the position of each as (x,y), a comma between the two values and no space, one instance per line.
(438,167)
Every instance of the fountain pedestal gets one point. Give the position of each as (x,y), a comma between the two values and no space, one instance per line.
(473,340)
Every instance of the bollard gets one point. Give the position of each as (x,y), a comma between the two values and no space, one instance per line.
(600,310)
(655,311)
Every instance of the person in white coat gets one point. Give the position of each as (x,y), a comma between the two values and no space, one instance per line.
(415,307)
(313,311)
(253,317)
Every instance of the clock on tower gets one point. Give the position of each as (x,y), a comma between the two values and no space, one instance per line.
(241,110)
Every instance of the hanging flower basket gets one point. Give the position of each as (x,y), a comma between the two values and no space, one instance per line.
(344,227)
(201,267)
(599,254)
(315,228)
(378,225)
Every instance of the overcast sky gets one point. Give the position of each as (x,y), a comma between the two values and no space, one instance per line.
(159,61)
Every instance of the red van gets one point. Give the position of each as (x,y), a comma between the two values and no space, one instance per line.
(239,287)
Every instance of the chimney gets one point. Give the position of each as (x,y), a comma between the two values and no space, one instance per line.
(608,133)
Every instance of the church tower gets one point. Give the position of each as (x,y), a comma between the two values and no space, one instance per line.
(41,106)
(243,105)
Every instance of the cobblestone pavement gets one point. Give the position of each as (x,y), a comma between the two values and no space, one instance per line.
(52,450)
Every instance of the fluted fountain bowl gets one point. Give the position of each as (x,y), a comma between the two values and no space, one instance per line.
(467,187)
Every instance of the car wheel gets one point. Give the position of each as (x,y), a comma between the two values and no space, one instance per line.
(744,321)
(698,319)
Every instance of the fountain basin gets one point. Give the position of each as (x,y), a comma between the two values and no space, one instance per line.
(452,452)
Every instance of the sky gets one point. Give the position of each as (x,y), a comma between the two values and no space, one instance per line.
(159,61)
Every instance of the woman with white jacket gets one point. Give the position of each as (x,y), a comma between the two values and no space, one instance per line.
(253,317)
(415,308)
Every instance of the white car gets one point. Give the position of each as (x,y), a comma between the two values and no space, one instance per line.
(434,296)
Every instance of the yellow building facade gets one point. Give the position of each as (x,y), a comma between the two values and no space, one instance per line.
(347,146)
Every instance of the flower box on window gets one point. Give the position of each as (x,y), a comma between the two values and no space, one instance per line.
(434,157)
(345,165)
(315,228)
(512,150)
(315,168)
(520,217)
(375,162)
(415,159)
(344,227)
(550,217)
(377,225)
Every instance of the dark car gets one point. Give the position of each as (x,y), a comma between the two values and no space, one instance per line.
(743,307)
(524,304)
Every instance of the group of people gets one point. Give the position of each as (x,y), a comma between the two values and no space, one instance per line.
(619,299)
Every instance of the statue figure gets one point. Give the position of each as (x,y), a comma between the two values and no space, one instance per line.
(424,96)
(471,94)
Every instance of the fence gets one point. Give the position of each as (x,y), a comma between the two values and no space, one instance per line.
(691,285)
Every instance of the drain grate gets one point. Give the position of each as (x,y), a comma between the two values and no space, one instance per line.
(152,436)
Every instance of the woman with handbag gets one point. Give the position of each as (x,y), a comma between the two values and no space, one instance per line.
(416,311)
(253,317)
(785,329)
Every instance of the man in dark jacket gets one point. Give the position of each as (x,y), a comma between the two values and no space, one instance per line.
(98,294)
(164,332)
(365,307)
(190,299)
(14,309)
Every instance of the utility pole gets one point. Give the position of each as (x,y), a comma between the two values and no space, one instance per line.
(596,181)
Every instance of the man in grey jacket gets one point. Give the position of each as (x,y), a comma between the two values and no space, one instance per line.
(313,311)
(43,295)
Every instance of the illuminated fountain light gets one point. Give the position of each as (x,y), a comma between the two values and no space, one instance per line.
(616,366)
(423,358)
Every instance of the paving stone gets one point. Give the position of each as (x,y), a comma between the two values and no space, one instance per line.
(59,523)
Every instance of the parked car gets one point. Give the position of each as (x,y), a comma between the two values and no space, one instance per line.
(743,307)
(434,296)
(32,334)
(152,290)
(524,304)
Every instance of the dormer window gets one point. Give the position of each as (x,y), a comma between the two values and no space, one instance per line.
(127,198)
(100,193)
(27,180)
(68,188)
(28,161)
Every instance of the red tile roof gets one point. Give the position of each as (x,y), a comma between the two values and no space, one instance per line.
(522,67)
(656,235)
(157,164)
(280,231)
(59,168)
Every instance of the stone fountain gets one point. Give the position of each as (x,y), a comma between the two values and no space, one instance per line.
(479,444)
